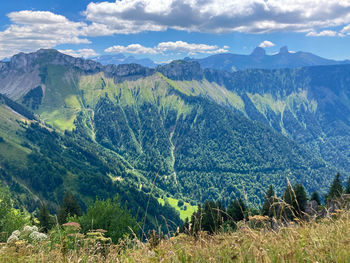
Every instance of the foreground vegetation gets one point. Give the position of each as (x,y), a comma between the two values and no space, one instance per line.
(323,241)
(283,231)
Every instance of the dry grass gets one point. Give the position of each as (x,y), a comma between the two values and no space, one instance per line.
(324,241)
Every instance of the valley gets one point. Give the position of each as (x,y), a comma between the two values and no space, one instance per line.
(205,134)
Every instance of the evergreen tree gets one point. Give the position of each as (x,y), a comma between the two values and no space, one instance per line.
(289,199)
(301,199)
(316,197)
(236,210)
(209,219)
(347,189)
(336,189)
(45,219)
(69,207)
(295,199)
(269,207)
(196,220)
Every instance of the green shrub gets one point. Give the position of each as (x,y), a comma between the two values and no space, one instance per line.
(110,216)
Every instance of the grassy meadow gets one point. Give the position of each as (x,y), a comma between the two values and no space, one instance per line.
(327,240)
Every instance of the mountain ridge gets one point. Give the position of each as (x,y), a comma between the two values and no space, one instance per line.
(258,59)
(208,134)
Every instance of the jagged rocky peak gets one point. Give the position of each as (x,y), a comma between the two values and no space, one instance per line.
(28,61)
(182,70)
(284,50)
(258,52)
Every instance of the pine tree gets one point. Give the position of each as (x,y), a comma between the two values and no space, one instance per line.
(236,210)
(196,220)
(69,207)
(45,219)
(209,219)
(301,199)
(268,208)
(288,198)
(347,189)
(295,197)
(336,189)
(316,197)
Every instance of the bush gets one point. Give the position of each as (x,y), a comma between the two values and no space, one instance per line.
(180,203)
(110,216)
(10,218)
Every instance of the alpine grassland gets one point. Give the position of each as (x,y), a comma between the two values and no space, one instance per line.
(325,240)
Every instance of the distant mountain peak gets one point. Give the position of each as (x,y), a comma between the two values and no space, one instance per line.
(284,50)
(258,52)
(258,59)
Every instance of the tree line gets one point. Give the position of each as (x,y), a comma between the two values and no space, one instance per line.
(215,216)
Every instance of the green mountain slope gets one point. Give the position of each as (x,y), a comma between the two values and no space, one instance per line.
(198,134)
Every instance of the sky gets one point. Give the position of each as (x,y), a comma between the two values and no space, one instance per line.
(164,30)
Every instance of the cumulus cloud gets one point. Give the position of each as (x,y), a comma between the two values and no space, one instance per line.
(85,52)
(164,47)
(31,30)
(250,16)
(266,43)
(132,49)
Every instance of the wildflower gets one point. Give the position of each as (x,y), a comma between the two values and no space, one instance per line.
(37,237)
(12,239)
(16,233)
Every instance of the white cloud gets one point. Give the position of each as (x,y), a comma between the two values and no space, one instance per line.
(26,17)
(191,49)
(178,47)
(324,33)
(132,49)
(345,30)
(85,52)
(31,30)
(266,43)
(249,16)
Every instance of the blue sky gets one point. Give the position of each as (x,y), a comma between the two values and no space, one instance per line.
(169,29)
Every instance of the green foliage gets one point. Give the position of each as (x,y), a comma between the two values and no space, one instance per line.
(17,107)
(69,207)
(110,216)
(11,219)
(295,198)
(33,98)
(316,197)
(347,188)
(214,216)
(336,188)
(236,210)
(46,221)
(269,207)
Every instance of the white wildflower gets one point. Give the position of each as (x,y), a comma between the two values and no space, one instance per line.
(16,233)
(37,237)
(29,229)
(12,239)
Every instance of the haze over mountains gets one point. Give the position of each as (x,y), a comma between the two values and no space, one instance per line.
(205,133)
(258,59)
(118,59)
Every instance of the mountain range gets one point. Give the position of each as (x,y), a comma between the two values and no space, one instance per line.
(258,59)
(118,59)
(194,133)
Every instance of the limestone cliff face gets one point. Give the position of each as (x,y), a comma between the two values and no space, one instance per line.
(25,71)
